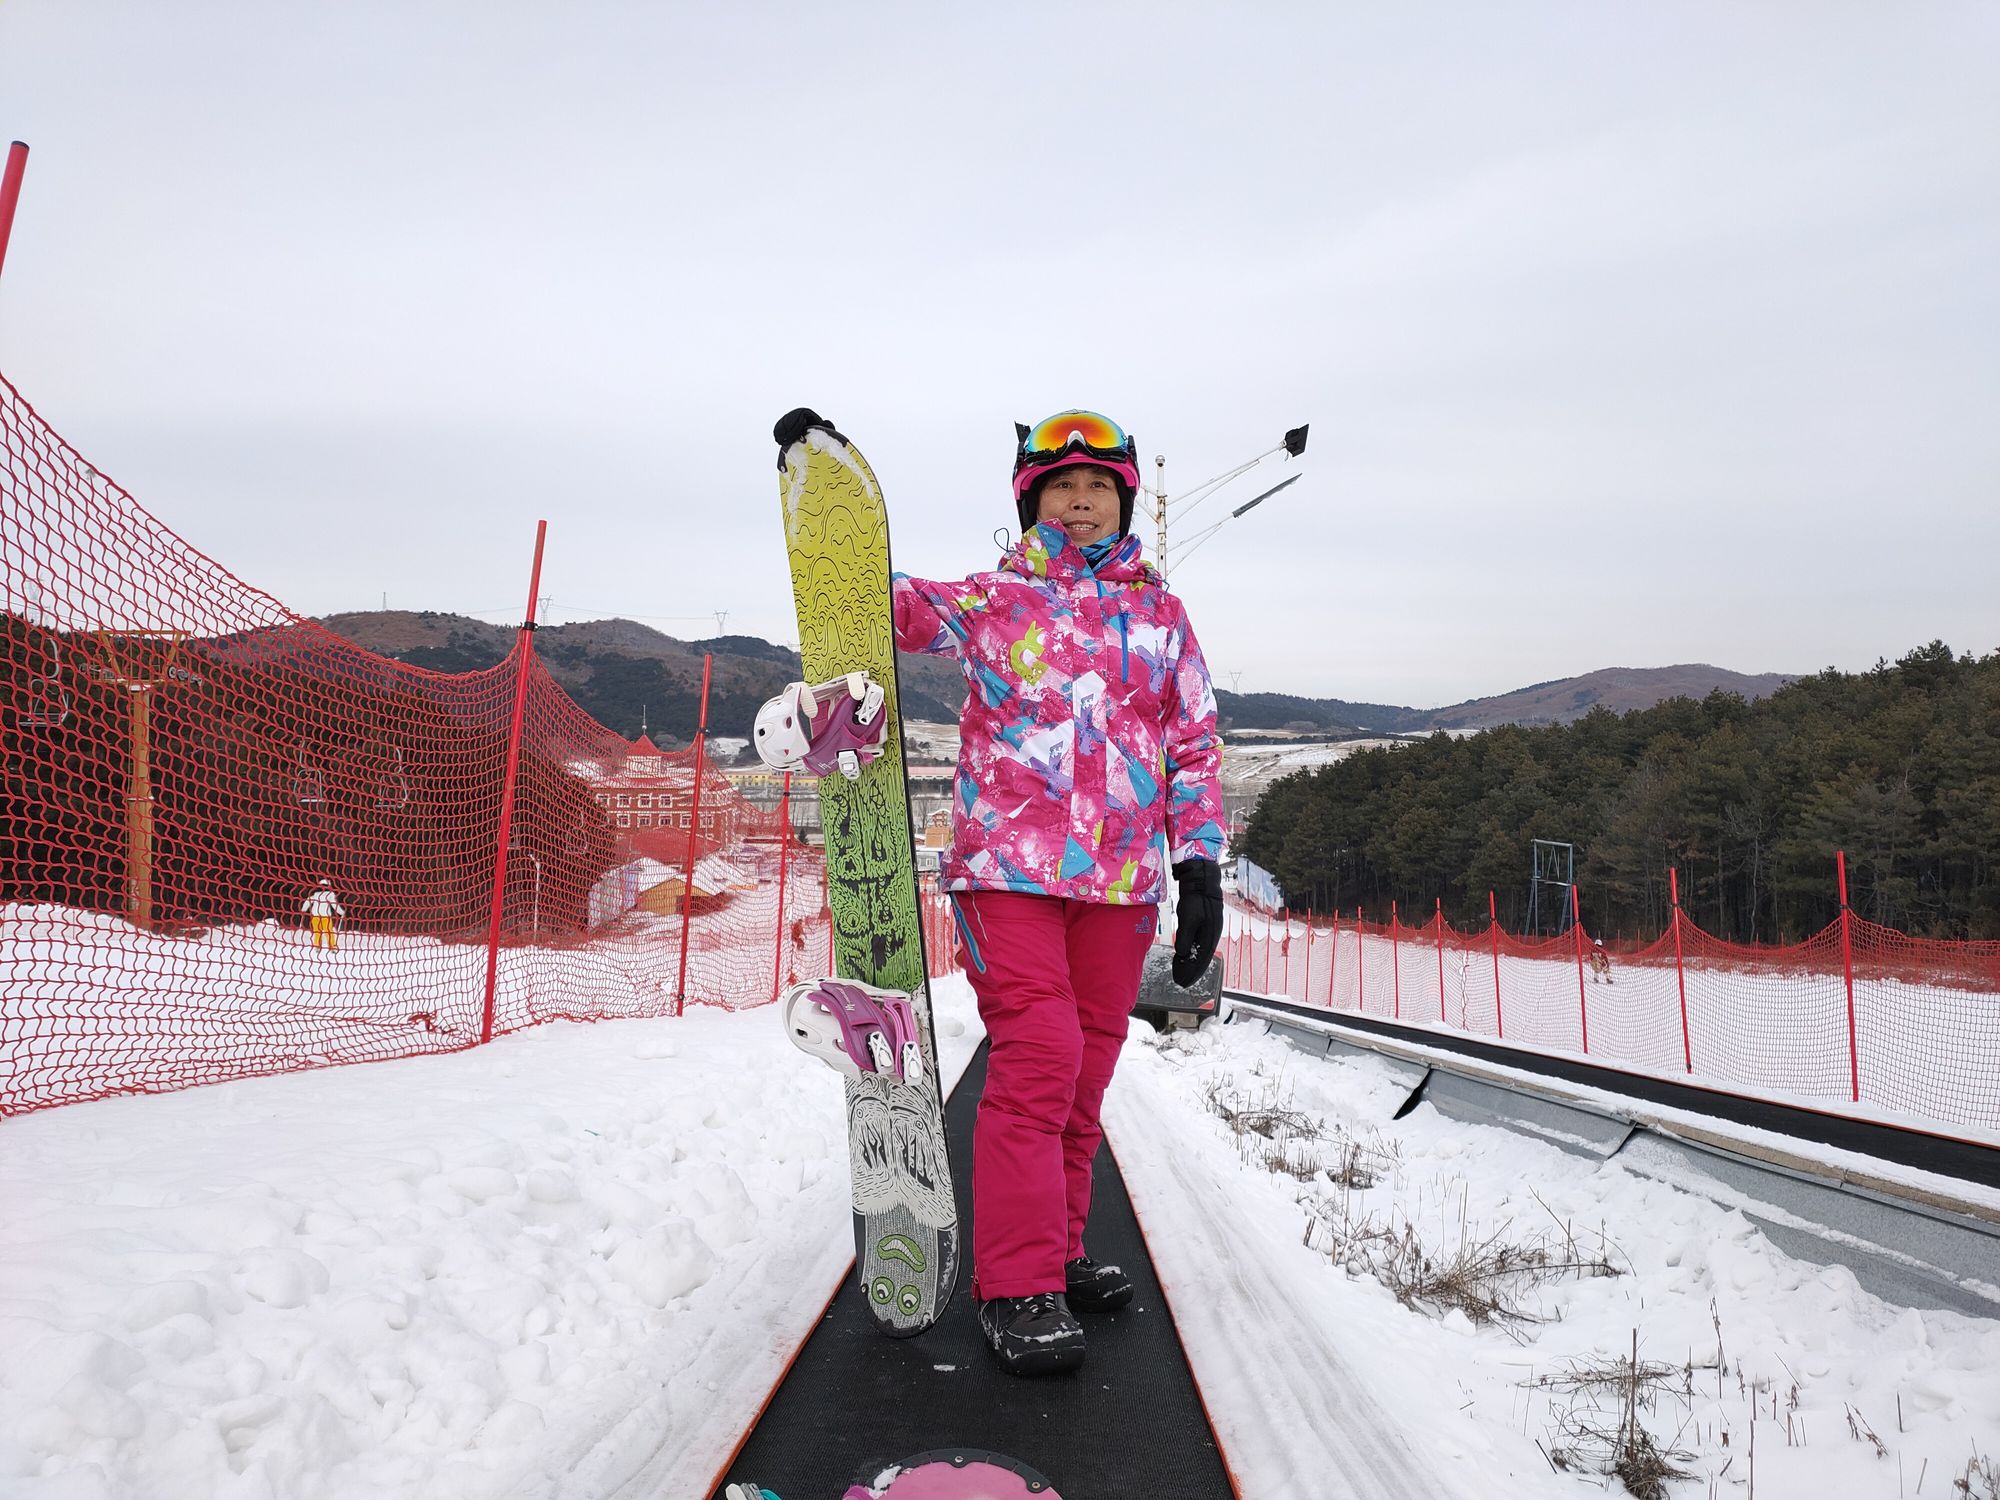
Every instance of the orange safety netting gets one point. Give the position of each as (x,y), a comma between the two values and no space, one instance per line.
(183,761)
(1855,1015)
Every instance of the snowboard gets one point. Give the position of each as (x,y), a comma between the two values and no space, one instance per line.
(955,1474)
(1161,1000)
(906,1237)
(946,1474)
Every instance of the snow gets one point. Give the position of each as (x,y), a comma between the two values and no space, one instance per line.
(1929,1053)
(558,1264)
(90,1004)
(1350,1392)
(1830,1161)
(1249,766)
(571,1263)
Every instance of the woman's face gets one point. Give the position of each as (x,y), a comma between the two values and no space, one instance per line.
(1083,500)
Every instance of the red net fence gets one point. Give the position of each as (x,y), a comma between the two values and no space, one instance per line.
(1859,1019)
(233,843)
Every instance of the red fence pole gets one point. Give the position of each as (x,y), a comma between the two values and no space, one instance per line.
(1582,1005)
(1493,931)
(1440,922)
(1360,964)
(1847,964)
(694,832)
(1680,972)
(1333,958)
(1285,952)
(784,852)
(524,649)
(1396,959)
(1308,965)
(10,192)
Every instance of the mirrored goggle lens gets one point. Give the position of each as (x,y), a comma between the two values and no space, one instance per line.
(1053,434)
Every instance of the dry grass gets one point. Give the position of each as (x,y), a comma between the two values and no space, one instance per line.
(1600,1430)
(1627,1377)
(1486,1276)
(1981,1479)
(1489,1277)
(1861,1432)
(1273,1135)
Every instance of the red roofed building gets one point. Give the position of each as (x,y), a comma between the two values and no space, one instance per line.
(650,802)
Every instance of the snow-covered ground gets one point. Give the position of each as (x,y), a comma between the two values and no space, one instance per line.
(1249,766)
(572,1262)
(91,1004)
(564,1262)
(1294,1353)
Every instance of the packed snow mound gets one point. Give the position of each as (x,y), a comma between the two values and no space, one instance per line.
(432,1276)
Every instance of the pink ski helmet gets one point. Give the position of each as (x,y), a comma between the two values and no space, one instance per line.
(1074,437)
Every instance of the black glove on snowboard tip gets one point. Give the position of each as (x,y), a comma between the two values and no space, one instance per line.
(794,425)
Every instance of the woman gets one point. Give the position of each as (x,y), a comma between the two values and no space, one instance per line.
(1087,771)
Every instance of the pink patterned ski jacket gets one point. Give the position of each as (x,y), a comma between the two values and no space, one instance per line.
(1088,755)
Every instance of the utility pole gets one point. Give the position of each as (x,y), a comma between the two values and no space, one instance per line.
(1293,445)
(1160,511)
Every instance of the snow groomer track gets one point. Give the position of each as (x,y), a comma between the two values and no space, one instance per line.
(1914,1213)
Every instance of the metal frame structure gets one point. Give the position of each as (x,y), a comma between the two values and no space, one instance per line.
(1554,872)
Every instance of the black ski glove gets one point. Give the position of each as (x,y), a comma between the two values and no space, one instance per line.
(793,425)
(1200,927)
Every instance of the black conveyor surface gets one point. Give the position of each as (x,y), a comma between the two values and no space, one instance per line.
(1128,1423)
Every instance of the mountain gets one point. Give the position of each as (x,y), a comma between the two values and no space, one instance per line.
(1619,689)
(621,671)
(1321,717)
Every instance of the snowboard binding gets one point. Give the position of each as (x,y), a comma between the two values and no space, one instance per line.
(854,1028)
(828,727)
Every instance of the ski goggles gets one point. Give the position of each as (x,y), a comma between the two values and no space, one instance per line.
(1075,429)
(1074,437)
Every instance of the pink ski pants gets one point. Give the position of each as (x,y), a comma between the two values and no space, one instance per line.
(1055,981)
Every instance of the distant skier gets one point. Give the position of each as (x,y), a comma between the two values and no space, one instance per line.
(321,907)
(1088,764)
(1600,962)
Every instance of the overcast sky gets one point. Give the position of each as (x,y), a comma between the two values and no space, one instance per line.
(1630,334)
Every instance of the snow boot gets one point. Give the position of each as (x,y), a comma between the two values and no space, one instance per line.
(1032,1335)
(1095,1289)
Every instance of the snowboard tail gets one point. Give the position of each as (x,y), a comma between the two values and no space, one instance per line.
(905,1217)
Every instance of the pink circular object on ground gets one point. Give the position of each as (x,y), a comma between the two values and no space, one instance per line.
(961,1474)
